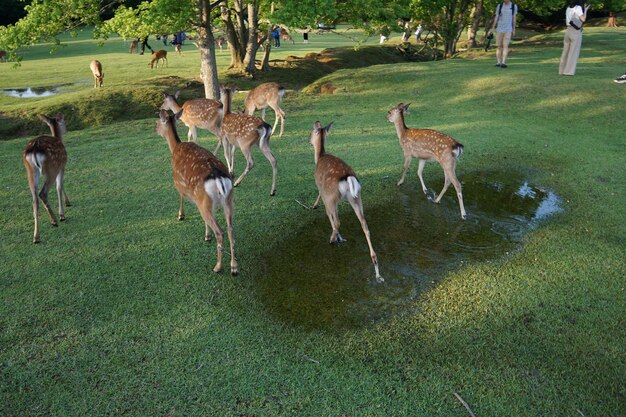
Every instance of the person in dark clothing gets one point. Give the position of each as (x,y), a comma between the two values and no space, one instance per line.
(144,45)
(276,36)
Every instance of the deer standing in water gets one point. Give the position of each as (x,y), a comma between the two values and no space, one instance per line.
(160,55)
(243,131)
(202,178)
(335,181)
(264,95)
(46,155)
(428,145)
(203,113)
(98,75)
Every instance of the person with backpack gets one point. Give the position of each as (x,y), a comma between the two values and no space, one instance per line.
(504,25)
(574,19)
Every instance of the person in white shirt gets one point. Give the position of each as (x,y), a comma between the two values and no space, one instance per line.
(574,19)
(504,25)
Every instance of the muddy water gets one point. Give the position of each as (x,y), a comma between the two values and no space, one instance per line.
(318,285)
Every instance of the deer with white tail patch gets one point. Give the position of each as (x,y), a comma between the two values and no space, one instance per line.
(335,181)
(46,155)
(428,145)
(202,178)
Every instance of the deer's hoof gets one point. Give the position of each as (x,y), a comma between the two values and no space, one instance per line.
(273,193)
(234,272)
(181,218)
(218,268)
(36,240)
(62,218)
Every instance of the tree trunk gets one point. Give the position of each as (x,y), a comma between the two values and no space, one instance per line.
(477,14)
(206,45)
(249,61)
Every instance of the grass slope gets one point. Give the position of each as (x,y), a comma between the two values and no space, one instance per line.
(117,311)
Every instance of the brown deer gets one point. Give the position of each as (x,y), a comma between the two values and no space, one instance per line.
(3,56)
(335,181)
(98,75)
(284,35)
(428,145)
(133,46)
(203,113)
(264,95)
(243,131)
(160,55)
(46,155)
(220,41)
(201,177)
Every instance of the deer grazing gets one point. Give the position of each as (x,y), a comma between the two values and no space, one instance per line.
(160,55)
(335,181)
(264,95)
(201,177)
(46,155)
(428,145)
(203,113)
(243,131)
(98,75)
(285,36)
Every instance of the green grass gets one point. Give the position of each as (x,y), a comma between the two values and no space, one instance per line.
(117,311)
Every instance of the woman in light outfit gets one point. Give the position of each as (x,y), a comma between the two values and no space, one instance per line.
(574,19)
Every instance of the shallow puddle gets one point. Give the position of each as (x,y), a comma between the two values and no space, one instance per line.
(34,92)
(318,285)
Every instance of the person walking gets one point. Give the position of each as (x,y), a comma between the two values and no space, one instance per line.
(144,45)
(504,25)
(575,16)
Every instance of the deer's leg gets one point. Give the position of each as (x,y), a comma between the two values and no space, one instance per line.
(333,216)
(280,115)
(66,199)
(60,193)
(250,164)
(33,184)
(181,212)
(217,148)
(227,152)
(445,186)
(270,157)
(192,134)
(317,201)
(43,194)
(263,114)
(420,170)
(357,205)
(407,162)
(228,213)
(451,176)
(207,214)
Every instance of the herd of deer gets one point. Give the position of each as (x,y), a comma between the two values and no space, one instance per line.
(201,177)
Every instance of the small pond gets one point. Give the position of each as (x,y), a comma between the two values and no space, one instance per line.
(35,92)
(318,285)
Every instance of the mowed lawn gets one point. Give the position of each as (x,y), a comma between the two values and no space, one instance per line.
(117,311)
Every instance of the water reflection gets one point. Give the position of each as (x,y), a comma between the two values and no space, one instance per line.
(34,92)
(307,282)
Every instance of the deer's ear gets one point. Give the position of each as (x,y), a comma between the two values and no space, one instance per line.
(176,94)
(406,107)
(60,117)
(329,127)
(233,89)
(317,125)
(163,116)
(44,118)
(178,115)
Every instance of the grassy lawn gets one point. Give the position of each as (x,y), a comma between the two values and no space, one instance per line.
(117,311)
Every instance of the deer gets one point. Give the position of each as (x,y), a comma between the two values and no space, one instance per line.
(243,131)
(98,75)
(203,113)
(428,145)
(46,156)
(264,95)
(157,56)
(202,178)
(336,181)
(284,35)
(220,41)
(3,56)
(133,46)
